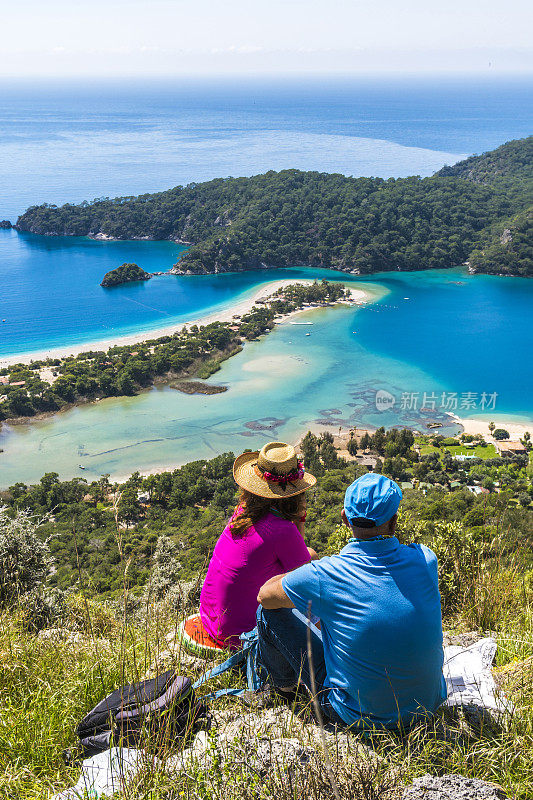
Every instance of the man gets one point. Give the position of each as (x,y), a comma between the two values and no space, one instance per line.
(378,656)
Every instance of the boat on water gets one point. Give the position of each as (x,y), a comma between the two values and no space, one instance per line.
(81,466)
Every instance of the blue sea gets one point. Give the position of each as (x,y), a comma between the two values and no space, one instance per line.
(72,142)
(425,334)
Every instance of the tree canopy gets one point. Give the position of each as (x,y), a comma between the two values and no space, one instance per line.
(294,218)
(126,273)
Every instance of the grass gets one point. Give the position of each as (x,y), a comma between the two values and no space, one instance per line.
(209,368)
(48,684)
(480,451)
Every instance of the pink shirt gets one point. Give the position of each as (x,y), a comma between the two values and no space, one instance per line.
(239,567)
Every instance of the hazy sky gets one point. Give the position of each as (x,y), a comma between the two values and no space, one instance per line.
(169,37)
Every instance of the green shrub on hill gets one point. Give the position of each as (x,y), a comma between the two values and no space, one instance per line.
(510,160)
(24,556)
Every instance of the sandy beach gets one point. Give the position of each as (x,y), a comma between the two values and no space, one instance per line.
(515,428)
(222,315)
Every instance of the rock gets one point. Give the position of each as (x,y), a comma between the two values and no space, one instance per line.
(5,225)
(506,236)
(281,754)
(452,787)
(462,639)
(82,641)
(62,635)
(261,756)
(281,722)
(175,657)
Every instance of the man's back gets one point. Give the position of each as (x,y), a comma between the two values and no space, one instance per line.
(379,605)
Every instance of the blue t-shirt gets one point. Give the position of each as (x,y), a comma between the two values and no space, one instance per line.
(379,606)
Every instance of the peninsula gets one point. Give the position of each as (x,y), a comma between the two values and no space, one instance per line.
(31,385)
(478,212)
(126,273)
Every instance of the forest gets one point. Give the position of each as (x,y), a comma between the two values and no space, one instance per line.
(475,212)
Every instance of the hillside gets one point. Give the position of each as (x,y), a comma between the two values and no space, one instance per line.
(294,218)
(511,160)
(104,576)
(508,250)
(191,503)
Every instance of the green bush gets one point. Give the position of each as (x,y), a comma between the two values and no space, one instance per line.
(41,608)
(500,433)
(24,558)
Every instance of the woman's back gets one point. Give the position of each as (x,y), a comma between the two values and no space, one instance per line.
(240,565)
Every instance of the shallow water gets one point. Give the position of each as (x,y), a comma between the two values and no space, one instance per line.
(436,341)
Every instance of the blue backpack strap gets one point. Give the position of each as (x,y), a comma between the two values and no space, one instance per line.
(246,653)
(231,662)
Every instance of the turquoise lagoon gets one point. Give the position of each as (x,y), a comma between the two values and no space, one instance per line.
(69,142)
(426,333)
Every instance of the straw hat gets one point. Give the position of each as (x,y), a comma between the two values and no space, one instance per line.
(273,472)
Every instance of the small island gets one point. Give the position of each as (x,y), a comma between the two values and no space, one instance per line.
(5,225)
(126,273)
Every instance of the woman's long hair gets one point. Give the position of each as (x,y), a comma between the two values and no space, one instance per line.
(251,508)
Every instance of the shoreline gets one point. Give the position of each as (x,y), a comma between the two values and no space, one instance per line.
(358,297)
(470,425)
(226,314)
(475,425)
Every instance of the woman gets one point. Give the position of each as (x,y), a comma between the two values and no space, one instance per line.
(263,538)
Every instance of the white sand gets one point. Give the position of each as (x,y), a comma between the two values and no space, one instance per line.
(223,315)
(509,423)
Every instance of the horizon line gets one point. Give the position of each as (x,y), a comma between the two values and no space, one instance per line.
(250,77)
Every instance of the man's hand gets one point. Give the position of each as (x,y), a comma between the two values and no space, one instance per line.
(272,595)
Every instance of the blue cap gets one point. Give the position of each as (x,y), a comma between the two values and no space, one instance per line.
(371,500)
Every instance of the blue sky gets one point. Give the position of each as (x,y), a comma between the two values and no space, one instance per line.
(173,37)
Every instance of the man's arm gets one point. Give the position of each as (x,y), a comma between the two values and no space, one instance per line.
(272,594)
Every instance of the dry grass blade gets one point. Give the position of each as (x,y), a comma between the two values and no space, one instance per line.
(317,709)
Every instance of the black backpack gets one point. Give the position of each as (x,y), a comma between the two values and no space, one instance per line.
(150,713)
